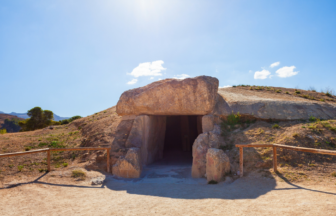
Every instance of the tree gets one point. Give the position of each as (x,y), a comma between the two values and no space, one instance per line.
(67,121)
(38,119)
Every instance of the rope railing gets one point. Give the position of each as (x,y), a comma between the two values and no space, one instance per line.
(48,150)
(275,146)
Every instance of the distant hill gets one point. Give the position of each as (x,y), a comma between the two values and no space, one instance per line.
(10,126)
(25,116)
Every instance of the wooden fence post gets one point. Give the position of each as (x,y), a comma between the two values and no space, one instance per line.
(275,163)
(108,160)
(48,160)
(241,161)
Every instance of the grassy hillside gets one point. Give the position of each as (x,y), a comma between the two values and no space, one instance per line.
(95,130)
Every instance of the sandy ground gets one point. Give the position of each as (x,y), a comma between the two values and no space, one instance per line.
(168,190)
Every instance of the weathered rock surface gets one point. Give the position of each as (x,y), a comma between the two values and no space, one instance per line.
(217,164)
(199,151)
(97,181)
(128,166)
(215,137)
(148,134)
(191,96)
(121,135)
(118,144)
(266,106)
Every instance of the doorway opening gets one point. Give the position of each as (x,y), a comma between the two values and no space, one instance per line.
(181,132)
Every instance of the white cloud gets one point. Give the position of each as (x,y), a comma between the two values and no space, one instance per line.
(133,81)
(227,86)
(274,64)
(181,76)
(148,69)
(151,78)
(261,74)
(286,72)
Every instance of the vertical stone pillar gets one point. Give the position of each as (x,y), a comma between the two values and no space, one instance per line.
(148,134)
(208,123)
(217,164)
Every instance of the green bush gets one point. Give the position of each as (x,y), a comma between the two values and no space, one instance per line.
(275,126)
(52,144)
(312,119)
(67,121)
(20,168)
(42,170)
(233,119)
(78,174)
(3,131)
(74,118)
(55,123)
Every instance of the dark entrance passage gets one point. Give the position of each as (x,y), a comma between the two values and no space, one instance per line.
(181,132)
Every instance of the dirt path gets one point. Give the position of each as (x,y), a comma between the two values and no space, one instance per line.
(169,192)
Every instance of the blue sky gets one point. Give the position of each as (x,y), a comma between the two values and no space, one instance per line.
(76,57)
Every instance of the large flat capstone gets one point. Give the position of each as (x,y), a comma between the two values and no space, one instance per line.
(191,96)
(265,105)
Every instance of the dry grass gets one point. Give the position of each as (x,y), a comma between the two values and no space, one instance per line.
(78,174)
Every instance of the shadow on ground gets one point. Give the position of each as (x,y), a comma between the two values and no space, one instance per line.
(172,179)
(175,181)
